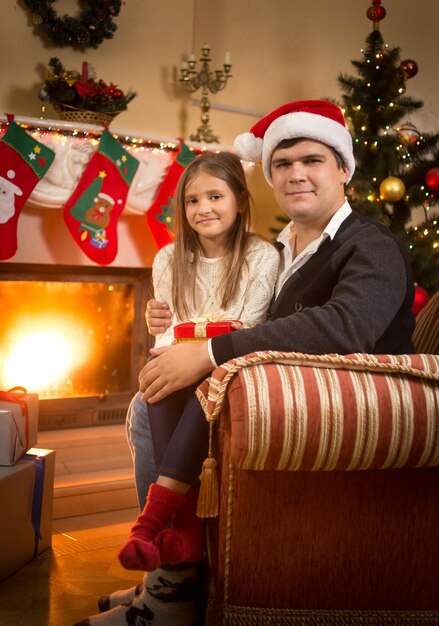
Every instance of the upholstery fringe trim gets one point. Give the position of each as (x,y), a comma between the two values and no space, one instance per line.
(222,615)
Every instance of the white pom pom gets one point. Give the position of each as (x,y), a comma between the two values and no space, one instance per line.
(248,147)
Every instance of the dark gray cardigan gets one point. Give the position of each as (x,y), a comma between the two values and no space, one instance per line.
(355,294)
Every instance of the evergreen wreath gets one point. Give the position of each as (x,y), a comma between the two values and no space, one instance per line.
(88,30)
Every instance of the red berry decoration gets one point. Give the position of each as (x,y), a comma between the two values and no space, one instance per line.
(409,67)
(376,12)
(421,299)
(432,179)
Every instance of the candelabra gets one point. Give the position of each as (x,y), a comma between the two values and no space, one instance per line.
(208,81)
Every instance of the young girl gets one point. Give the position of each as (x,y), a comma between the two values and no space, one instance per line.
(216,267)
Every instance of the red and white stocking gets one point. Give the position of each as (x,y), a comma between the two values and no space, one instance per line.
(23,162)
(93,210)
(157,215)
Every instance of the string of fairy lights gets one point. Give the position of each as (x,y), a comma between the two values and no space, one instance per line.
(408,135)
(59,131)
(409,143)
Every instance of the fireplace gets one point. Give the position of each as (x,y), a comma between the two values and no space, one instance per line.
(76,336)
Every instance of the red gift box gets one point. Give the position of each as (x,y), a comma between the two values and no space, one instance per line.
(200,331)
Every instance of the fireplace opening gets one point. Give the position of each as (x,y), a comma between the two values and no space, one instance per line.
(76,336)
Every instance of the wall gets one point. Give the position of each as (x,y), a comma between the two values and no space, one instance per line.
(281,50)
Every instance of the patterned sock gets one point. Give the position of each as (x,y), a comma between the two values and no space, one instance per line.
(139,552)
(171,596)
(185,540)
(109,601)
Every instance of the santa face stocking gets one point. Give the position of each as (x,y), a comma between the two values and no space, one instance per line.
(92,212)
(23,162)
(159,214)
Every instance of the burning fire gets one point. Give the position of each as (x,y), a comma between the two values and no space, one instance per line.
(40,359)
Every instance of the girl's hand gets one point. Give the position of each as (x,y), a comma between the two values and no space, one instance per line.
(158,317)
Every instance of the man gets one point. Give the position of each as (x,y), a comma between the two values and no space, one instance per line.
(344,286)
(345,283)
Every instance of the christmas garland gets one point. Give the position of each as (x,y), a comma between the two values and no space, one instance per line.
(94,24)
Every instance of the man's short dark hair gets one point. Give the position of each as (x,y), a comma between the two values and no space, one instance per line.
(287,143)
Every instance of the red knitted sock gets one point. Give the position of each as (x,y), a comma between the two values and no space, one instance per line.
(139,552)
(185,540)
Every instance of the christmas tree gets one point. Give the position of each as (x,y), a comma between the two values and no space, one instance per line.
(396,165)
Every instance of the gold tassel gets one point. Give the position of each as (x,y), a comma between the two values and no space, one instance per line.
(207,505)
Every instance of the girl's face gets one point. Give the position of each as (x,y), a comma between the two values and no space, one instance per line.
(211,210)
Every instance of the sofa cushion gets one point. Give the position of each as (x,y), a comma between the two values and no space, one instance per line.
(299,412)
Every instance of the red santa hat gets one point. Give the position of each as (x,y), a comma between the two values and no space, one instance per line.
(311,119)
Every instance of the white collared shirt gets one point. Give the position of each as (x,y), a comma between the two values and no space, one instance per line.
(288,265)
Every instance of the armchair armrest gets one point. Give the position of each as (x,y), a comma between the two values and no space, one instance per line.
(298,412)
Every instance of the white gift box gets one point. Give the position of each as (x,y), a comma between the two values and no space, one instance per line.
(18,427)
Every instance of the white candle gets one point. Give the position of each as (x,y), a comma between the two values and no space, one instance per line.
(184,66)
(191,58)
(228,59)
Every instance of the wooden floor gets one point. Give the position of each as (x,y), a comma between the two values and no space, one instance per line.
(61,586)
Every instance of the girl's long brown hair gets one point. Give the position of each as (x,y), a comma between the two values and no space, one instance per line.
(228,168)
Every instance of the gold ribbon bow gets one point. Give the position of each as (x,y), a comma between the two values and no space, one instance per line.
(201,323)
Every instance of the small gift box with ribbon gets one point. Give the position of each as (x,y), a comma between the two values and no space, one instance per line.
(18,424)
(201,329)
(26,494)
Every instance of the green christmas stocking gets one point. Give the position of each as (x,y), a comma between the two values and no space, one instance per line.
(159,215)
(92,212)
(23,162)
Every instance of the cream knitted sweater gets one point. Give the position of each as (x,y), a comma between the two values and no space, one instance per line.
(250,303)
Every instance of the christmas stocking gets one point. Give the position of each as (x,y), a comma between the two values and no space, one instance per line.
(23,162)
(92,212)
(159,215)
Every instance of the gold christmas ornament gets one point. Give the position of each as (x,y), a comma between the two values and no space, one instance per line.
(392,189)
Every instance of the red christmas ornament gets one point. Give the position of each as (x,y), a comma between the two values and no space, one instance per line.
(421,299)
(376,12)
(432,179)
(409,67)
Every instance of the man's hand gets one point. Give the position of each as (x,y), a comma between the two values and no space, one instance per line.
(175,367)
(158,317)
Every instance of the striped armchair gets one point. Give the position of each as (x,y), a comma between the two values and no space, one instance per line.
(329,487)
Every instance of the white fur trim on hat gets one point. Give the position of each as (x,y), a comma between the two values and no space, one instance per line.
(248,147)
(309,126)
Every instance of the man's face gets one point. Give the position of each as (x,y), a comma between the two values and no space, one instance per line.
(308,183)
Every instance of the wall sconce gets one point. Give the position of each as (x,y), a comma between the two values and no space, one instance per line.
(208,81)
